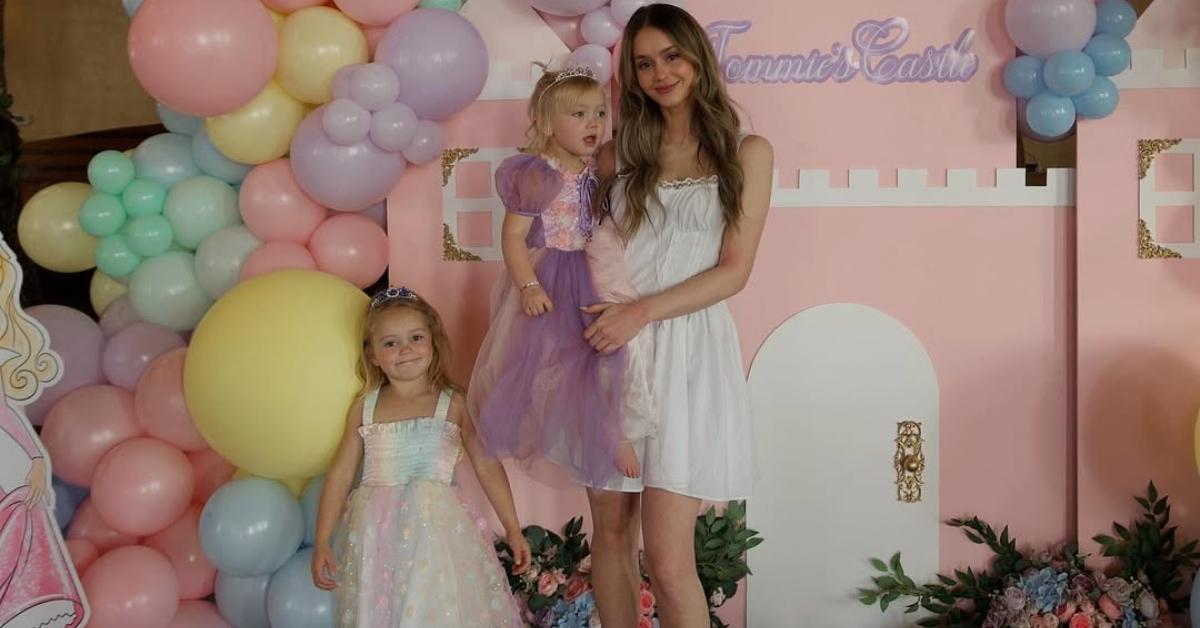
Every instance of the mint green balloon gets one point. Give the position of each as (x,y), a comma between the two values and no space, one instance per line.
(165,290)
(449,5)
(102,215)
(198,207)
(110,171)
(149,236)
(115,258)
(144,197)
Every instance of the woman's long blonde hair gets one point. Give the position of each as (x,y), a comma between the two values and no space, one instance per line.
(372,376)
(35,364)
(715,123)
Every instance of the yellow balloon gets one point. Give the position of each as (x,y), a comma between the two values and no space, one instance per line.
(277,18)
(270,371)
(48,229)
(259,131)
(294,486)
(104,290)
(313,44)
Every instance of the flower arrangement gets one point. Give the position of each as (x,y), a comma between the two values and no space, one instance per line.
(556,590)
(1053,588)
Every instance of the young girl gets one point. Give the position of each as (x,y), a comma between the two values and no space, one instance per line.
(411,556)
(538,389)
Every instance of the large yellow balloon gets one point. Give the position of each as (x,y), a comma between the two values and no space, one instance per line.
(313,44)
(104,290)
(49,230)
(270,371)
(294,486)
(259,131)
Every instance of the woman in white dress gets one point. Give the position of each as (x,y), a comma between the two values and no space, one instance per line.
(688,195)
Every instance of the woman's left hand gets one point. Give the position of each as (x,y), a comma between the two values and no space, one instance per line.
(36,481)
(520,551)
(615,326)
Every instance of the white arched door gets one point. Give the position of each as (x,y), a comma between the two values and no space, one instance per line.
(828,388)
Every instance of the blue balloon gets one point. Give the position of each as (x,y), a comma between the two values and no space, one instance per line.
(294,601)
(212,162)
(310,500)
(243,601)
(166,158)
(1110,53)
(1115,17)
(1099,99)
(1023,76)
(67,498)
(1068,72)
(131,6)
(177,122)
(250,527)
(1050,115)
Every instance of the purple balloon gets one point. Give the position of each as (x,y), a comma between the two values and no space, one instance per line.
(622,10)
(598,58)
(78,341)
(345,122)
(345,178)
(426,144)
(567,8)
(1044,27)
(132,349)
(440,59)
(118,315)
(392,128)
(600,27)
(374,86)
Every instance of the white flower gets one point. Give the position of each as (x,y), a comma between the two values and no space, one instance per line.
(717,598)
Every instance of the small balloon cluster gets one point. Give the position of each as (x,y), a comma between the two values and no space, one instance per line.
(1071,49)
(590,28)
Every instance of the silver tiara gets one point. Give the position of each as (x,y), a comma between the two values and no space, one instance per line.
(391,294)
(572,72)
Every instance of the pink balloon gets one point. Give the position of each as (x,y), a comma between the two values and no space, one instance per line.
(345,178)
(118,315)
(598,58)
(622,10)
(87,525)
(567,7)
(131,587)
(180,543)
(158,401)
(352,247)
(132,349)
(1044,27)
(83,553)
(275,208)
(78,340)
(203,57)
(288,6)
(375,12)
(373,34)
(568,29)
(211,471)
(600,27)
(272,256)
(83,426)
(198,614)
(142,485)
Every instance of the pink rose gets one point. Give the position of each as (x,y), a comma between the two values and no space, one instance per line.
(547,585)
(1080,621)
(559,576)
(576,586)
(644,622)
(1086,607)
(1108,606)
(585,565)
(646,603)
(1065,611)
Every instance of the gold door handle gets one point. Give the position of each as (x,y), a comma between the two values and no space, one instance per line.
(909,462)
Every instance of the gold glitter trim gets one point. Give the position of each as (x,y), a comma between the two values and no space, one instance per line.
(1148,150)
(909,462)
(1147,249)
(452,156)
(451,251)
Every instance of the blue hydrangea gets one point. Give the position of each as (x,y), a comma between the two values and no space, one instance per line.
(577,614)
(1046,587)
(1129,617)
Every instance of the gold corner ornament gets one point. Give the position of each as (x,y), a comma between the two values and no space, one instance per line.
(1148,150)
(909,461)
(451,252)
(451,157)
(1148,248)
